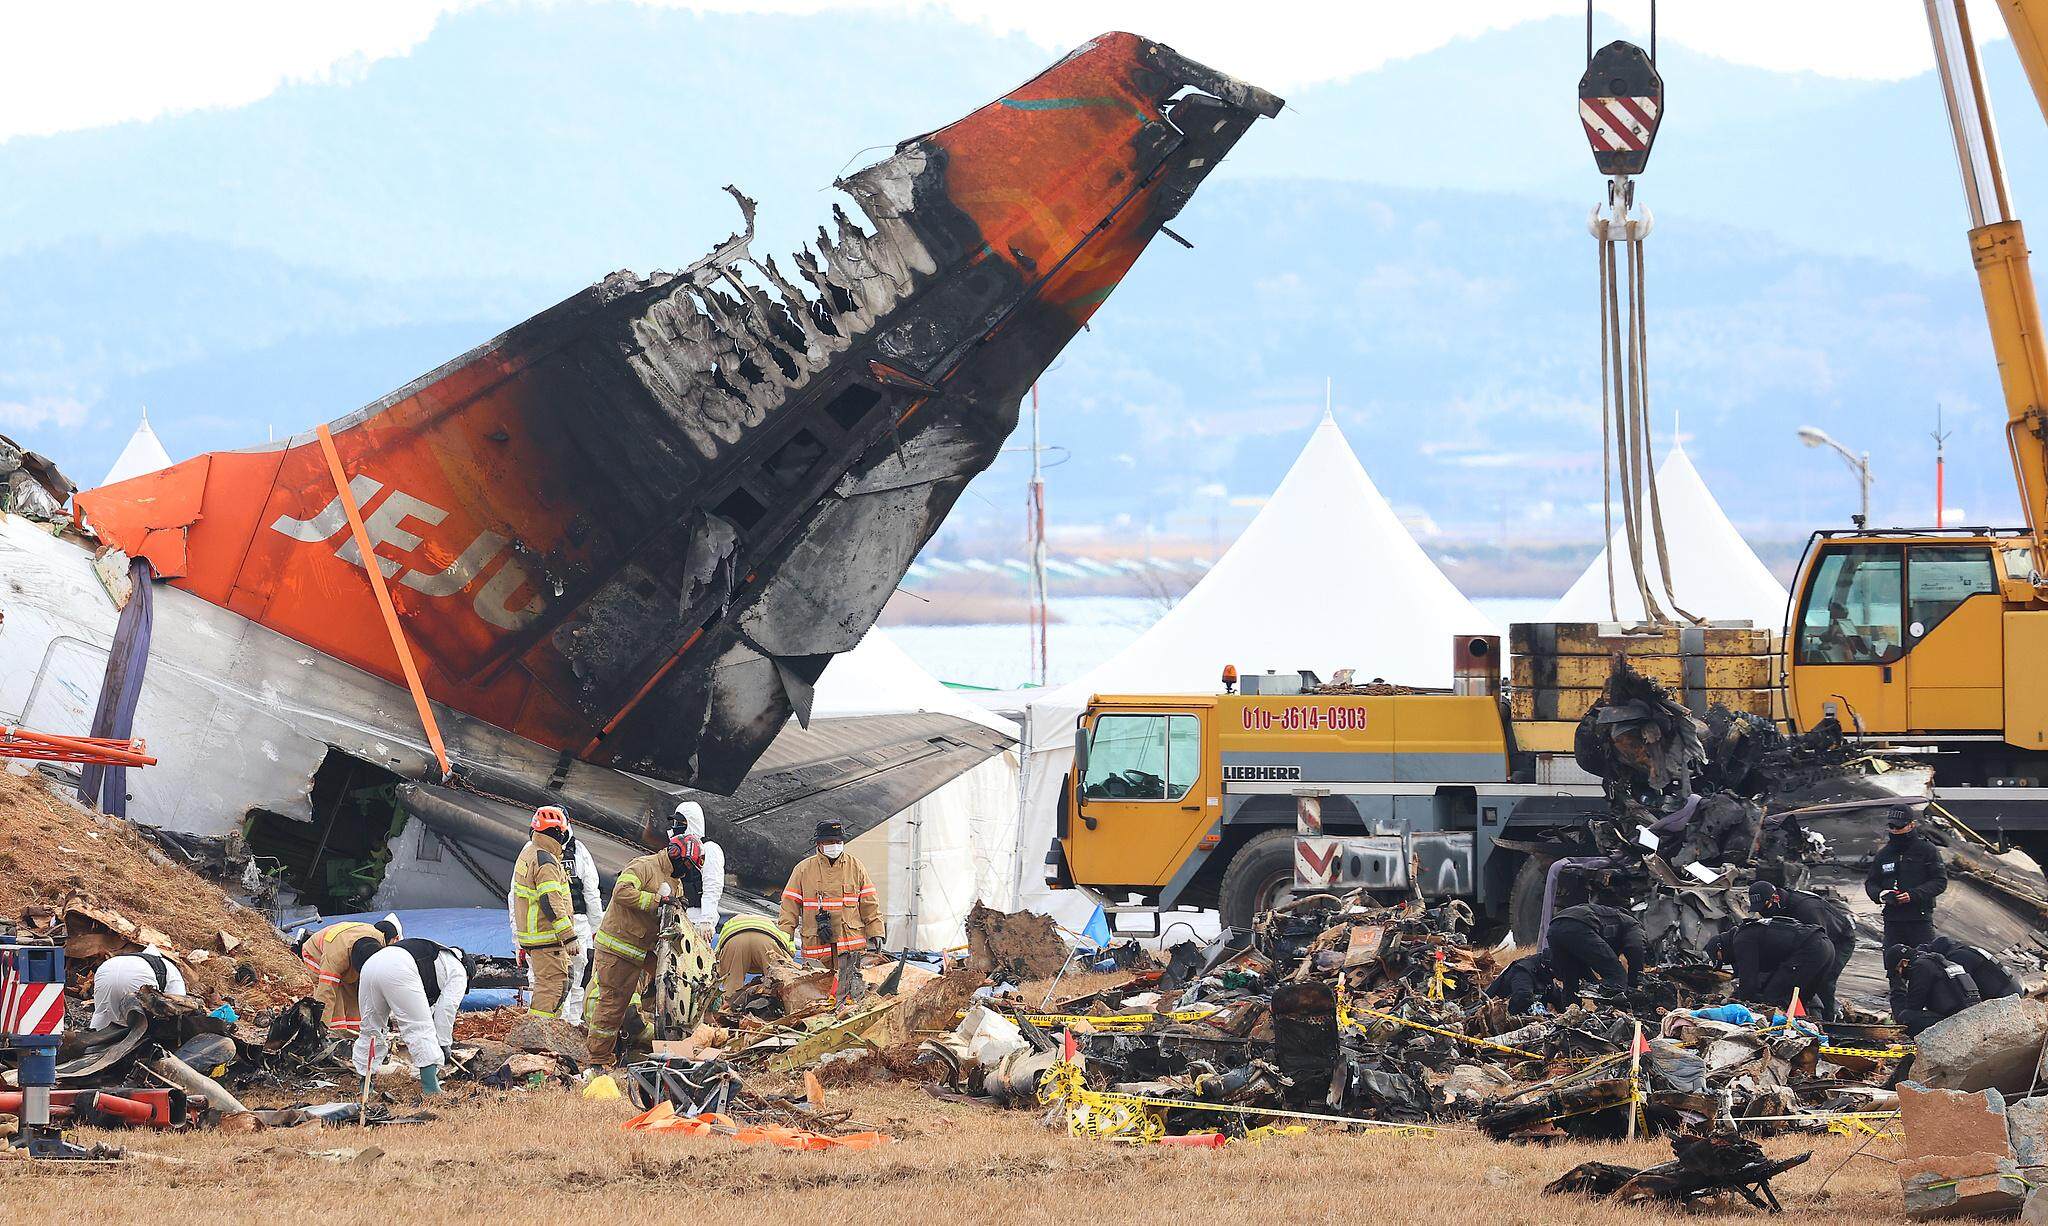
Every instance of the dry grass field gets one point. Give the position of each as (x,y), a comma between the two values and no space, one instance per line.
(541,1156)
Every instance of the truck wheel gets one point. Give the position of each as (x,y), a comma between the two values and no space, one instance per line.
(1525,900)
(1260,876)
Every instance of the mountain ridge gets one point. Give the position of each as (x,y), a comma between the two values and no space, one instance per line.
(287,261)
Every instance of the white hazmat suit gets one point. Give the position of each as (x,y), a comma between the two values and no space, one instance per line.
(119,978)
(705,913)
(396,1006)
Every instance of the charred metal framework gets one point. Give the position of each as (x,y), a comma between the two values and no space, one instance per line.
(635,528)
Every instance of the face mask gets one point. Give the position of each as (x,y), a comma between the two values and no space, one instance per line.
(832,850)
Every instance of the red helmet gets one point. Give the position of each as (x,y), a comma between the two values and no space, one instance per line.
(686,847)
(550,820)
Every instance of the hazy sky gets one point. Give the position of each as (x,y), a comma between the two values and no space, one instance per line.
(84,63)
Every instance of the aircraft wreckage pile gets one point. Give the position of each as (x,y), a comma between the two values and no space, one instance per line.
(1333,1011)
(1337,1009)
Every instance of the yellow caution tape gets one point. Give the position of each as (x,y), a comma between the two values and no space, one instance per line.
(1853,1126)
(1099,1120)
(1596,1108)
(1105,1114)
(1346,1016)
(1950,1183)
(1059,1082)
(1093,1116)
(1868,1053)
(1814,1117)
(1117,1021)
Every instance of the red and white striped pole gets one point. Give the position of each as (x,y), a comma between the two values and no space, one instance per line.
(32,1025)
(1940,468)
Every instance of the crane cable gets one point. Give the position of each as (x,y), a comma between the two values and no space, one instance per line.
(1626,442)
(1639,314)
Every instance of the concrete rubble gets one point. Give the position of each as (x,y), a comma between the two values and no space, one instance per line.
(2026,1122)
(1957,1157)
(1961,1185)
(1998,1043)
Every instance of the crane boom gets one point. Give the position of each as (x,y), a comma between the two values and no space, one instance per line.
(2027,22)
(1919,635)
(1998,244)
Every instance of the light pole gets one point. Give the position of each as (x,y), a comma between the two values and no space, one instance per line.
(1814,436)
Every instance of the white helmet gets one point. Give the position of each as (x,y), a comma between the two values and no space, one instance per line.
(691,815)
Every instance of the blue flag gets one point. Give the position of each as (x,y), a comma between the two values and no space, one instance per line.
(1097,929)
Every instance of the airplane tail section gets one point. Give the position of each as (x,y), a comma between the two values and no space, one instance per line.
(637,526)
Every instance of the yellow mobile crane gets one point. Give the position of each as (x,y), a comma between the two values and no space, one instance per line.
(1939,638)
(1931,638)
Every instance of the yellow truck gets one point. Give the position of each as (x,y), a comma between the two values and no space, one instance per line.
(1193,800)
(1197,800)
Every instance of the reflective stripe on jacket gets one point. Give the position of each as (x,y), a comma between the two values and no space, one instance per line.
(838,889)
(755,923)
(541,906)
(326,951)
(631,921)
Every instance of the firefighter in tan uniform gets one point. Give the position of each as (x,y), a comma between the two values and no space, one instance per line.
(750,945)
(542,912)
(625,941)
(831,910)
(325,953)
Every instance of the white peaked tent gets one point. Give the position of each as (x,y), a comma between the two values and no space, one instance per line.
(1714,572)
(1325,577)
(143,454)
(934,859)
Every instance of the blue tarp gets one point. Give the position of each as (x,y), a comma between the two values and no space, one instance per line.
(480,930)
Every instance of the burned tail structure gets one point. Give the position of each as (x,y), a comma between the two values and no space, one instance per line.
(635,528)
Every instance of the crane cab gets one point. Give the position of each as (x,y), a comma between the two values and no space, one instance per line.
(1928,634)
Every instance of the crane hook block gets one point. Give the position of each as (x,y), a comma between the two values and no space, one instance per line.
(1621,99)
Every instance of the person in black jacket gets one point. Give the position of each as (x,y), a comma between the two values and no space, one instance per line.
(1988,973)
(1596,940)
(1525,981)
(1935,988)
(1905,878)
(1773,957)
(1825,912)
